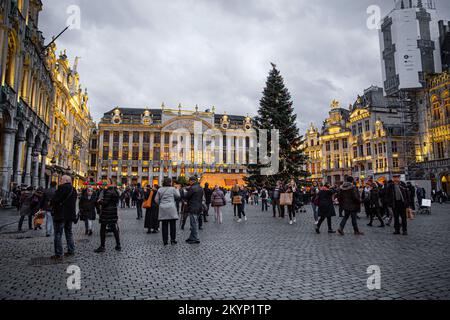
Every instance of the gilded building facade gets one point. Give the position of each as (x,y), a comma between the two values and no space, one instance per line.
(433,142)
(71,122)
(377,137)
(133,146)
(26,96)
(365,141)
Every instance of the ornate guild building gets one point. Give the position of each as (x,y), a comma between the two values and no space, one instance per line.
(26,96)
(433,142)
(71,122)
(133,146)
(44,120)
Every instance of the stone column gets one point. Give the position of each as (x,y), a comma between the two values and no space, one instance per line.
(35,158)
(27,173)
(42,177)
(19,157)
(7,147)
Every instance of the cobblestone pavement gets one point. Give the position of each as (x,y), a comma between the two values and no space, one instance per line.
(264,258)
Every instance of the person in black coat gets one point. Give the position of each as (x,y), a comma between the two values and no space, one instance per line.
(397,198)
(87,206)
(108,201)
(208,193)
(151,214)
(64,215)
(194,198)
(375,205)
(326,207)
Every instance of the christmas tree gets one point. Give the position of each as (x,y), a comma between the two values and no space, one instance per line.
(276,112)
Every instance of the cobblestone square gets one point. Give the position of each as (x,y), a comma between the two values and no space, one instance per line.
(263,258)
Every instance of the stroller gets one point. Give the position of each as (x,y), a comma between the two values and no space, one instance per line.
(425,207)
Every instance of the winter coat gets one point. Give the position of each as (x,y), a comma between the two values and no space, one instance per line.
(194,198)
(108,201)
(375,198)
(326,206)
(390,196)
(208,194)
(49,194)
(218,198)
(25,203)
(165,198)
(151,214)
(87,207)
(64,203)
(348,197)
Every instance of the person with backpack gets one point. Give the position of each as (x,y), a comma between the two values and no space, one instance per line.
(218,201)
(138,198)
(264,196)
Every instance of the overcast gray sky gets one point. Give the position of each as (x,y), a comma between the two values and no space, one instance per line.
(139,53)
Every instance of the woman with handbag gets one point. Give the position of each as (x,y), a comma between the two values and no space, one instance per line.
(151,210)
(235,198)
(241,206)
(217,202)
(168,213)
(87,207)
(289,200)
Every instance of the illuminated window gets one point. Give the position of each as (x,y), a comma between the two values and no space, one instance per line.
(135,153)
(328,146)
(395,163)
(336,145)
(126,137)
(116,137)
(105,153)
(345,143)
(135,137)
(368,149)
(394,146)
(125,153)
(106,137)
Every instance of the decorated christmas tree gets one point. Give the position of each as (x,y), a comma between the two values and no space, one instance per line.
(276,112)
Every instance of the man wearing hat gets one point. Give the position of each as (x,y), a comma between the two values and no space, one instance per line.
(397,197)
(194,198)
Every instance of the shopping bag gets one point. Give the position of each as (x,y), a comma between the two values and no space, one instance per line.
(237,200)
(286,199)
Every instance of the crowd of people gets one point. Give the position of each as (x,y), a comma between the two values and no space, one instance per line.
(165,205)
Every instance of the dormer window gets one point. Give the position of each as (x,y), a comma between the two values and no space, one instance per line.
(117,117)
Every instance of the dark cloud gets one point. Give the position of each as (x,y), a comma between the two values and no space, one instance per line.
(216,52)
